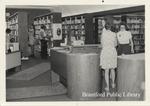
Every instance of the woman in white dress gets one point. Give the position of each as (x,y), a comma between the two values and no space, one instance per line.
(31,39)
(108,56)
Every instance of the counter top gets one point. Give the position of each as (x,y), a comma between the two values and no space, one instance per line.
(90,45)
(84,49)
(61,49)
(57,48)
(13,52)
(98,45)
(140,56)
(73,53)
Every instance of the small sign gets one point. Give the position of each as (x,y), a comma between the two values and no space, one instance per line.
(57,31)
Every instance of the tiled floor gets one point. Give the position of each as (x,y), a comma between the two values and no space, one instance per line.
(43,79)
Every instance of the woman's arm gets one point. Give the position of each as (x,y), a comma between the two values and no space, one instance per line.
(131,43)
(101,40)
(116,40)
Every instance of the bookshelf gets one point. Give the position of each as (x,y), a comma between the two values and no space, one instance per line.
(52,21)
(81,28)
(13,39)
(18,40)
(135,24)
(76,25)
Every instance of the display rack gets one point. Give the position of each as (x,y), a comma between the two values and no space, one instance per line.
(52,21)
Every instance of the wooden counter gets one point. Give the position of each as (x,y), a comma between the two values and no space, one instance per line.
(131,77)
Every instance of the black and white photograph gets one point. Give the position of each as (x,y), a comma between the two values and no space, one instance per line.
(75,53)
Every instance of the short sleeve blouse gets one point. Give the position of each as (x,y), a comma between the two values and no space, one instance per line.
(124,37)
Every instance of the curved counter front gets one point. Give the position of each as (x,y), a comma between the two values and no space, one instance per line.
(131,77)
(78,69)
(83,75)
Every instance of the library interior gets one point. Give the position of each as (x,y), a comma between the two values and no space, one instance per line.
(75,53)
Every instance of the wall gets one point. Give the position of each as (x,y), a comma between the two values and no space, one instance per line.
(68,10)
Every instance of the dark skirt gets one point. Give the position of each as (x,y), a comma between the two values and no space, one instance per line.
(124,49)
(44,49)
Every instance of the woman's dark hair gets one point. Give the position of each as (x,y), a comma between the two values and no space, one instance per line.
(8,30)
(110,27)
(43,27)
(113,28)
(107,26)
(124,24)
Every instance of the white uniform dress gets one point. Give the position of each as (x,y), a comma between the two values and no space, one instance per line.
(108,56)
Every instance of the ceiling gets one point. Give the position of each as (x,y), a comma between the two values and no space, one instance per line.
(71,9)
